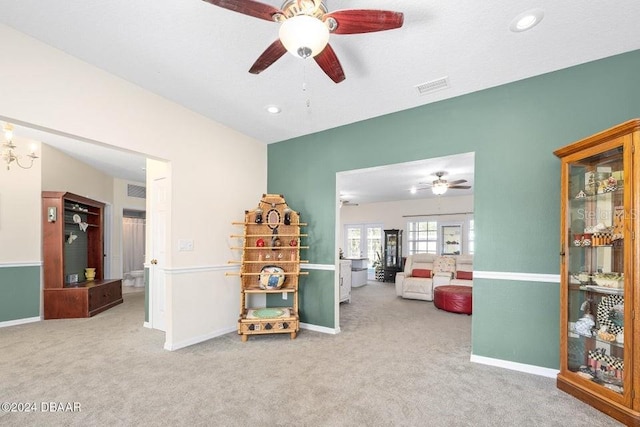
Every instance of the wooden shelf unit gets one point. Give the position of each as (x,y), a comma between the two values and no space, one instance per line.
(599,344)
(61,259)
(271,241)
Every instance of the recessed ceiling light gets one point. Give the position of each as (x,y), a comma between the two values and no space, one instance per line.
(526,20)
(273,109)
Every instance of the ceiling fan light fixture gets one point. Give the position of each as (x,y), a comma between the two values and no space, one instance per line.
(439,188)
(304,36)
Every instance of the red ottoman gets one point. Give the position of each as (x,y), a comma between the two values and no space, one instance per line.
(456,299)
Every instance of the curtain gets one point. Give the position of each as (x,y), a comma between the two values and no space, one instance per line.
(133,237)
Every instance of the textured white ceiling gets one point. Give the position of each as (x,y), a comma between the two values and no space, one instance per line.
(197,54)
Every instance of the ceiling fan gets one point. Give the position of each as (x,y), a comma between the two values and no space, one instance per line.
(347,203)
(440,186)
(306,26)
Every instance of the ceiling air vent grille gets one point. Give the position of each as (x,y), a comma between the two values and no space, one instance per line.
(136,191)
(433,85)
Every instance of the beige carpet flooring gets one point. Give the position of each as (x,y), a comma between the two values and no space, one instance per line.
(396,363)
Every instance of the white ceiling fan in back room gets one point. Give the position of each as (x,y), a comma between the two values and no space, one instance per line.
(440,186)
(305,27)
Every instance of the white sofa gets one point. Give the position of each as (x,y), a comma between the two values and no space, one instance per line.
(444,270)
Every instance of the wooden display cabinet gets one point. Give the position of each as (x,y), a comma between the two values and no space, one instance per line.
(600,271)
(392,261)
(271,238)
(67,293)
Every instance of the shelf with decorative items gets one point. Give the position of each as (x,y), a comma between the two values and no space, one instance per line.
(600,271)
(74,283)
(270,264)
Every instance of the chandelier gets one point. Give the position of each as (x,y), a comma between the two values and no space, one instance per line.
(8,149)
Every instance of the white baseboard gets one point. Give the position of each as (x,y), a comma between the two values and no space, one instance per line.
(196,340)
(202,338)
(146,325)
(19,321)
(515,366)
(322,329)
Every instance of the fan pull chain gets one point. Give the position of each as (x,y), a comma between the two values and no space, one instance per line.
(304,88)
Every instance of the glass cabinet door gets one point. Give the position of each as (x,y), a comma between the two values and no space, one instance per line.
(392,249)
(597,271)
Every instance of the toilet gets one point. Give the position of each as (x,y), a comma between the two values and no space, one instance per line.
(138,278)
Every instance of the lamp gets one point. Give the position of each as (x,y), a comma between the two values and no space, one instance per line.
(304,36)
(439,188)
(8,147)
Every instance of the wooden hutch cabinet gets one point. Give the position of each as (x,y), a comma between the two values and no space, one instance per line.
(392,261)
(73,240)
(600,271)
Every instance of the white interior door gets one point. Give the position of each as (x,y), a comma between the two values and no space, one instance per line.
(157,289)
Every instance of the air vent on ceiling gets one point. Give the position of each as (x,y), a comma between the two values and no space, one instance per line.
(136,191)
(433,85)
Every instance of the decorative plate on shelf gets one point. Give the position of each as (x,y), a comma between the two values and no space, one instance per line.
(271,277)
(267,313)
(611,313)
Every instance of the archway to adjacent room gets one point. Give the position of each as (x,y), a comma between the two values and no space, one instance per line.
(380,198)
(125,167)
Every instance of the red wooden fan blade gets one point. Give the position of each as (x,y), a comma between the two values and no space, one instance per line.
(328,61)
(356,21)
(268,57)
(248,7)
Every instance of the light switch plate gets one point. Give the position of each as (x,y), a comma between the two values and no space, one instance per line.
(52,214)
(185,245)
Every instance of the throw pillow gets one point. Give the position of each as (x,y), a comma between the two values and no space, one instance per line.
(421,272)
(464,275)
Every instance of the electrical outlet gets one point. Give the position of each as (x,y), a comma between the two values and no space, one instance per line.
(284,295)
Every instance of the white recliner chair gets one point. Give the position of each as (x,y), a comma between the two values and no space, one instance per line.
(422,273)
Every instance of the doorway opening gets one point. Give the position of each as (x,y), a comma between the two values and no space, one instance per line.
(133,250)
(399,196)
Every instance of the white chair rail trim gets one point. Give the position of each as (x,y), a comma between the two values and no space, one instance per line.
(226,267)
(328,267)
(518,277)
(21,264)
(201,269)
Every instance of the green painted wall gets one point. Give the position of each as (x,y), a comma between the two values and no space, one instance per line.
(313,307)
(20,290)
(514,330)
(513,130)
